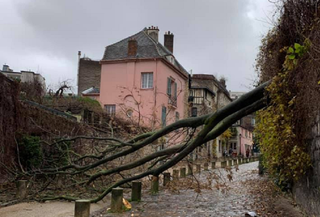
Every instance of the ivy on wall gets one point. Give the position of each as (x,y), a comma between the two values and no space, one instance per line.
(285,156)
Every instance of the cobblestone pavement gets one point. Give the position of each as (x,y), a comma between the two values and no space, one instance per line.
(234,202)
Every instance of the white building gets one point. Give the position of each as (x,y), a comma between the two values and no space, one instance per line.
(23,76)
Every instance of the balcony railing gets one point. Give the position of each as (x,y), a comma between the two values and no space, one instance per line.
(172,101)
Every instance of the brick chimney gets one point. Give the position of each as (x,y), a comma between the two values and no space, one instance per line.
(153,32)
(168,41)
(223,82)
(132,47)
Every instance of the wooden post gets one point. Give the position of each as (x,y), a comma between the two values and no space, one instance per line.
(230,163)
(198,168)
(206,166)
(21,189)
(175,175)
(213,165)
(182,172)
(223,164)
(155,185)
(82,208)
(116,200)
(166,178)
(190,169)
(235,161)
(136,191)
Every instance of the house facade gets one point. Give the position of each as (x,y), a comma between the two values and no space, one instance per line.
(142,80)
(23,76)
(207,95)
(242,139)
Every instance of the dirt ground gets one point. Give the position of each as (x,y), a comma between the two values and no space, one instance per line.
(48,209)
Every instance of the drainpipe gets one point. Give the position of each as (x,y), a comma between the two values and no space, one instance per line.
(240,141)
(79,56)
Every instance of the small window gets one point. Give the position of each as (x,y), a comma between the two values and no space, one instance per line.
(253,121)
(111,109)
(235,146)
(163,116)
(129,113)
(177,116)
(147,80)
(172,87)
(194,112)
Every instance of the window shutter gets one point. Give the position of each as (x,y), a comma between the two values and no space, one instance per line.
(175,90)
(163,116)
(194,112)
(169,86)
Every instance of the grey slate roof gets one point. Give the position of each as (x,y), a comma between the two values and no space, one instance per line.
(91,90)
(147,48)
(202,84)
(204,81)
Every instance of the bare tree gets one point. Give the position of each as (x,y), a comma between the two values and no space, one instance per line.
(109,166)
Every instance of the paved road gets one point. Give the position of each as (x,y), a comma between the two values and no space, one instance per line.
(187,202)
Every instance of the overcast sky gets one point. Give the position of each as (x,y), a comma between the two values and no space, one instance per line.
(219,37)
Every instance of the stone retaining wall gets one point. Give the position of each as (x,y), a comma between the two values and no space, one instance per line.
(307,189)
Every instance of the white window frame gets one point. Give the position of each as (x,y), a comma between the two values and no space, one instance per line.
(110,109)
(146,80)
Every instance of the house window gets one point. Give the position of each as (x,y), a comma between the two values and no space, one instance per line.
(194,112)
(172,88)
(253,121)
(111,109)
(163,116)
(129,113)
(177,116)
(235,146)
(147,80)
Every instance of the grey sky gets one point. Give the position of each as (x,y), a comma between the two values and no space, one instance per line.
(219,37)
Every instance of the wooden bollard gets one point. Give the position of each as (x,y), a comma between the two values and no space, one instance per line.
(166,178)
(230,163)
(21,189)
(175,175)
(82,208)
(223,164)
(183,172)
(213,165)
(235,161)
(155,185)
(136,191)
(116,200)
(206,166)
(190,169)
(198,168)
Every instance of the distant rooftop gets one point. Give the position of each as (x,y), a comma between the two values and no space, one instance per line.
(147,48)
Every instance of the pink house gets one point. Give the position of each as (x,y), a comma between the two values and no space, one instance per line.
(141,80)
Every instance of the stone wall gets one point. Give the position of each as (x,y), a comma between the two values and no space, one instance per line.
(9,122)
(89,74)
(307,189)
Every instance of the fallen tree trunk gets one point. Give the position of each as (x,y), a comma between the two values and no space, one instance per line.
(213,125)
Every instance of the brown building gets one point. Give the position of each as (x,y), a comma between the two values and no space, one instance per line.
(89,72)
(207,95)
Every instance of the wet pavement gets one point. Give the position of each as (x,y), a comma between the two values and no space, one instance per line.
(229,198)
